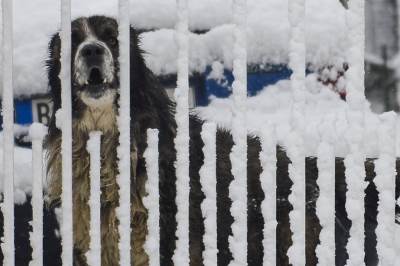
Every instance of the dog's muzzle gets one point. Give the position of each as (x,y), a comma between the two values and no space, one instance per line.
(93,68)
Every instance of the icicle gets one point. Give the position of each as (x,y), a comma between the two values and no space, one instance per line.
(181,255)
(354,161)
(208,181)
(151,201)
(295,149)
(325,206)
(385,181)
(64,117)
(8,134)
(37,132)
(238,156)
(124,165)
(93,147)
(268,184)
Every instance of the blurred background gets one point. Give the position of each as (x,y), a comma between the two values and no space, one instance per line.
(382,54)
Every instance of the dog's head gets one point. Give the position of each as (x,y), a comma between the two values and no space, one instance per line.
(94,60)
(95,74)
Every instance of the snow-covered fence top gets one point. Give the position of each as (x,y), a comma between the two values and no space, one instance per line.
(268,33)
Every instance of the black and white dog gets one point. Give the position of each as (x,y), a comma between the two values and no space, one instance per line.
(95,84)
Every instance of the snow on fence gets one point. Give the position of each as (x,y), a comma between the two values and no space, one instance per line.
(385,165)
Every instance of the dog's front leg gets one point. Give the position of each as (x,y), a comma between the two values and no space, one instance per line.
(139,233)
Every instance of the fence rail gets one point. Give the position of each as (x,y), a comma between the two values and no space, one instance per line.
(388,235)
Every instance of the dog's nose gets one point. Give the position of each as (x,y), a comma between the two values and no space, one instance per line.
(93,53)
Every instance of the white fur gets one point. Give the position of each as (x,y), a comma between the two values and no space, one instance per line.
(81,71)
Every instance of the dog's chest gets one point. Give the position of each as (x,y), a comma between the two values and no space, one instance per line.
(97,119)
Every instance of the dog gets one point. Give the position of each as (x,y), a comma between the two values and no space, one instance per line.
(95,95)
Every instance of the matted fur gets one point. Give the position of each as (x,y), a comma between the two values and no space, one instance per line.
(104,121)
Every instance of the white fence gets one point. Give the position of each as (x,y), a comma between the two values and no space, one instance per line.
(387,234)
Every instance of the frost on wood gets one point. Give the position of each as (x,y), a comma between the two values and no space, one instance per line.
(208,181)
(37,132)
(123,179)
(93,147)
(385,181)
(297,62)
(181,255)
(65,120)
(325,205)
(151,201)
(268,184)
(238,156)
(354,161)
(7,206)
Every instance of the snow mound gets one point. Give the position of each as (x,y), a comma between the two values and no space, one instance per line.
(325,116)
(268,33)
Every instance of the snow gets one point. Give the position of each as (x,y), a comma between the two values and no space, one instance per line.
(208,181)
(268,31)
(7,207)
(238,156)
(268,184)
(123,211)
(64,118)
(37,133)
(152,201)
(273,106)
(385,181)
(181,255)
(93,147)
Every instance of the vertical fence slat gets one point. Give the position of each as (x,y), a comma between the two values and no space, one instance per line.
(151,201)
(208,181)
(8,134)
(64,118)
(268,184)
(181,255)
(354,161)
(238,156)
(124,164)
(93,147)
(297,62)
(325,205)
(37,132)
(385,180)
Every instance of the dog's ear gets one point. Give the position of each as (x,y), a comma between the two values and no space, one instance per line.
(53,64)
(55,48)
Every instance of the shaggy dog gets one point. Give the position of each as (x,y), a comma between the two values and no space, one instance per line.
(95,95)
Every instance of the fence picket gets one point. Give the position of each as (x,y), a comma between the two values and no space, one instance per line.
(385,181)
(93,146)
(64,119)
(37,132)
(295,149)
(354,161)
(238,156)
(181,255)
(268,183)
(124,149)
(208,181)
(7,206)
(151,201)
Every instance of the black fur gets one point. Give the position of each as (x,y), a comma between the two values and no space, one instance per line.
(151,108)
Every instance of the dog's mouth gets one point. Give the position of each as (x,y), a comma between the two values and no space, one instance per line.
(97,84)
